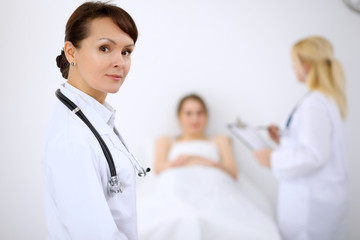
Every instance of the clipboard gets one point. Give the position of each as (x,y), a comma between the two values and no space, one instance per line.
(249,136)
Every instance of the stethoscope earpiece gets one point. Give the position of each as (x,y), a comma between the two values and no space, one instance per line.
(143,173)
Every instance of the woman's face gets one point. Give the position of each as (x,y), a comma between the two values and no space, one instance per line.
(298,68)
(193,117)
(300,74)
(103,61)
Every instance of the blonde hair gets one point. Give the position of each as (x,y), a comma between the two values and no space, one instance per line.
(326,74)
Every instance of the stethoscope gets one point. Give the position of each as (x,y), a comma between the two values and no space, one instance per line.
(290,118)
(114,185)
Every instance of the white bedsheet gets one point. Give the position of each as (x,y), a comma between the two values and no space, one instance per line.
(202,203)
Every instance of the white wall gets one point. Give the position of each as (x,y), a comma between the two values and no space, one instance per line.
(233,53)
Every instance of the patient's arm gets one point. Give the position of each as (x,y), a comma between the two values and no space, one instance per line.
(227,161)
(196,160)
(161,163)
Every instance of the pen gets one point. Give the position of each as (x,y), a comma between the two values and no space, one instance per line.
(281,132)
(262,127)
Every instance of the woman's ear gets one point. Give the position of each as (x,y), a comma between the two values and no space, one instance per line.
(307,67)
(69,50)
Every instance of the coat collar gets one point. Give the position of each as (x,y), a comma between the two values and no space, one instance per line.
(101,116)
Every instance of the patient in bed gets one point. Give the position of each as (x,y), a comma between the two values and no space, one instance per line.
(195,194)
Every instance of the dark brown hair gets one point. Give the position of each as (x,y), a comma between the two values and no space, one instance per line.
(77,27)
(191,96)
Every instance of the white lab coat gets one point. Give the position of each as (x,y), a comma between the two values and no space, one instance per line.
(311,167)
(76,175)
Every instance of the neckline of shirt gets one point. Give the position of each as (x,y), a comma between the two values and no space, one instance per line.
(105,111)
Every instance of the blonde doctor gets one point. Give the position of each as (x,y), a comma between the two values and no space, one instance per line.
(89,184)
(310,162)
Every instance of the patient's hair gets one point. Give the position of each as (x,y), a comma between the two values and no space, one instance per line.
(78,26)
(191,96)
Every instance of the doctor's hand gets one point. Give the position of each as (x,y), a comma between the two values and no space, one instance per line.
(274,133)
(263,156)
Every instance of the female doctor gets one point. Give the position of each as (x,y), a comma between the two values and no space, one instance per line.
(80,201)
(310,162)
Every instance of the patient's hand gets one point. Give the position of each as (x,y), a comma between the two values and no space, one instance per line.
(181,160)
(264,157)
(196,160)
(184,160)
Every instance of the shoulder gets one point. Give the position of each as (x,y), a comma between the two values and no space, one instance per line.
(317,98)
(163,141)
(222,140)
(65,132)
(317,102)
(316,111)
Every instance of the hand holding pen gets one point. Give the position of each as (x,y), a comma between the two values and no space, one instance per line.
(274,132)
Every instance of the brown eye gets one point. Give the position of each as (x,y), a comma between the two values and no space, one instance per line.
(126,52)
(104,49)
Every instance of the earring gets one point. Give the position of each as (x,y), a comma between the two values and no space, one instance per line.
(72,64)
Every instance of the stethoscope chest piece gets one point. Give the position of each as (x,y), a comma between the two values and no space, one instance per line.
(115,186)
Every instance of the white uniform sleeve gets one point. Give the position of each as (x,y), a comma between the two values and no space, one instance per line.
(312,148)
(77,194)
